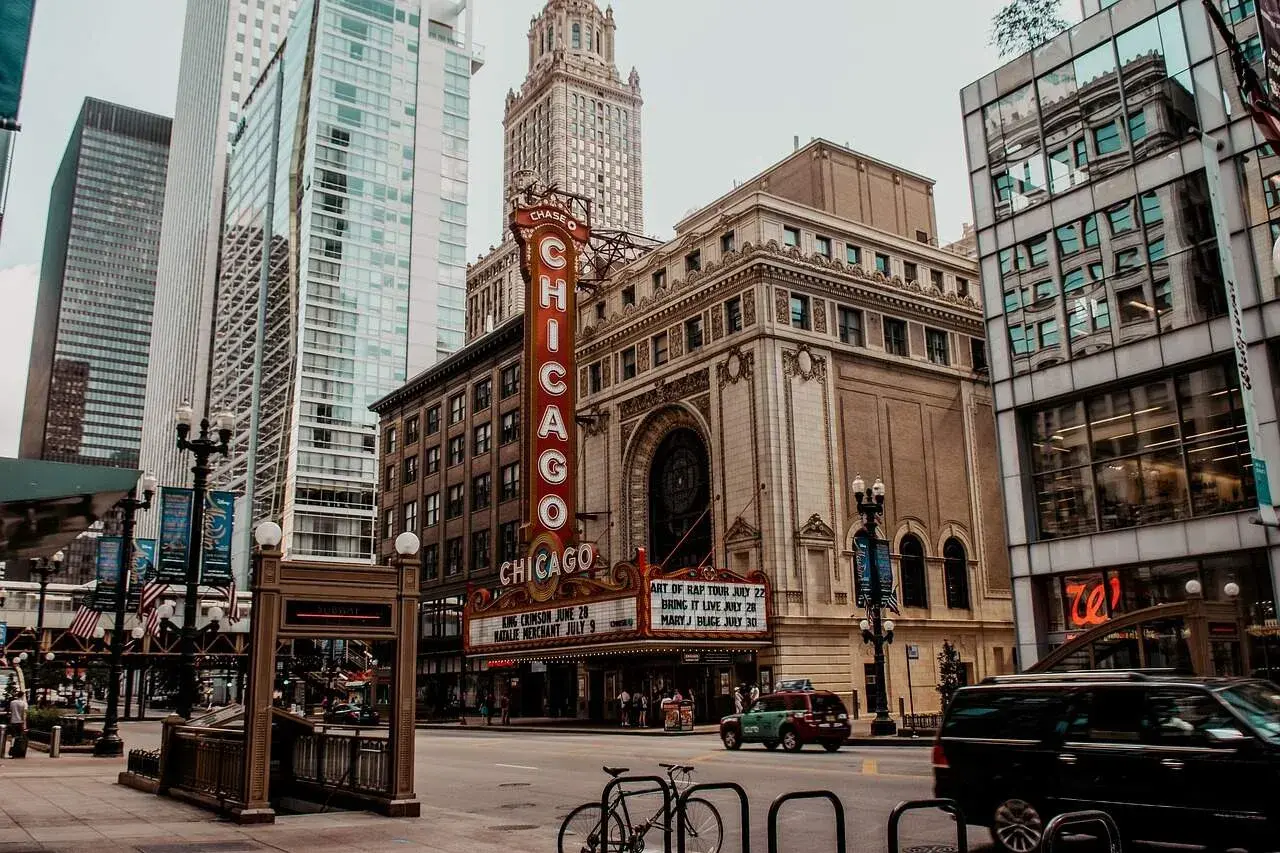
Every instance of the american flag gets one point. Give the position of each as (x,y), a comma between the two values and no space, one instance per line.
(153,622)
(150,596)
(85,622)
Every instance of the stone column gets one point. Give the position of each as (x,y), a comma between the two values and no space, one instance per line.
(257,704)
(404,802)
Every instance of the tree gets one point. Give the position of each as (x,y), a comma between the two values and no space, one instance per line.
(1026,24)
(950,673)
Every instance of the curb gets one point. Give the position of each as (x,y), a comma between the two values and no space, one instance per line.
(900,742)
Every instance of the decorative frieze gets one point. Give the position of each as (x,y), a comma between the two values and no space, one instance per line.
(803,364)
(738,366)
(666,392)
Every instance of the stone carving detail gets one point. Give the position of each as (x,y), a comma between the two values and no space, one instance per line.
(627,429)
(703,404)
(803,364)
(606,372)
(739,365)
(642,356)
(748,307)
(782,306)
(816,528)
(594,421)
(794,596)
(741,530)
(666,392)
(820,316)
(717,323)
(582,382)
(675,341)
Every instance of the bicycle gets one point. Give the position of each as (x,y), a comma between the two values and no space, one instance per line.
(581,833)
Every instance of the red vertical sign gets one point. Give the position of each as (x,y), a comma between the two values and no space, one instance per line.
(549,239)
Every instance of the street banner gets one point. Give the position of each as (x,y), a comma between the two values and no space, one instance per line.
(884,566)
(215,556)
(110,549)
(144,563)
(1269,32)
(175,532)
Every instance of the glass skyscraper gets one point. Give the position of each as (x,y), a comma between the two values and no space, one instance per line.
(362,119)
(88,369)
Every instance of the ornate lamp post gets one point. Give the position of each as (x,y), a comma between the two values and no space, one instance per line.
(110,744)
(201,447)
(875,629)
(42,568)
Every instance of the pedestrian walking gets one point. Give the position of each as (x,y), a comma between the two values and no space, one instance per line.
(505,704)
(755,694)
(18,727)
(624,705)
(738,698)
(644,711)
(486,709)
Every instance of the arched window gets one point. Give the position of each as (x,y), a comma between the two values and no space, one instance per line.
(955,574)
(576,36)
(915,587)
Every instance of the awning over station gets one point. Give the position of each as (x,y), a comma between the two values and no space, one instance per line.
(45,505)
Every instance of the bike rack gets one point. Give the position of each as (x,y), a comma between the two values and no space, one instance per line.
(663,786)
(951,807)
(715,786)
(841,841)
(1053,831)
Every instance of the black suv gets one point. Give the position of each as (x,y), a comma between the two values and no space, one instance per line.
(1188,760)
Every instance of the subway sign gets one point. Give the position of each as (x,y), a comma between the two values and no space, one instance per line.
(550,239)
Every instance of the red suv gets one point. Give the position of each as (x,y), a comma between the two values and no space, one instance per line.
(789,718)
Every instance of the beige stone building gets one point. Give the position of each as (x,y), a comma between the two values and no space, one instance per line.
(800,330)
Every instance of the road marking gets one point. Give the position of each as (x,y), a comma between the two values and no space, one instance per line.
(516,766)
(870,767)
(707,757)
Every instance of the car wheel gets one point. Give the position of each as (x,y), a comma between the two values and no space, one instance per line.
(791,741)
(1017,827)
(731,739)
(831,746)
(771,745)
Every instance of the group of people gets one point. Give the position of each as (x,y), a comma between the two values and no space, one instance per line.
(502,703)
(744,697)
(634,708)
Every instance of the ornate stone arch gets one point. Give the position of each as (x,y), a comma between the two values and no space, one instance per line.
(638,459)
(955,530)
(916,527)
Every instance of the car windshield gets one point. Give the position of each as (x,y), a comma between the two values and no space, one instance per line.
(1259,703)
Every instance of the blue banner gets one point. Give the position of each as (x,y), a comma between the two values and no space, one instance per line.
(216,554)
(884,567)
(110,549)
(175,534)
(144,562)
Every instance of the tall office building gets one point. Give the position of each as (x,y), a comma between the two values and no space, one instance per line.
(88,369)
(575,124)
(361,117)
(1121,414)
(225,46)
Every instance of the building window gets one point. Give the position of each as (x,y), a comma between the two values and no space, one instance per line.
(481,491)
(508,540)
(411,517)
(661,349)
(431,509)
(850,325)
(510,380)
(479,550)
(693,261)
(1137,127)
(389,524)
(595,378)
(852,255)
(790,236)
(1049,334)
(411,431)
(453,557)
(433,420)
(481,438)
(629,292)
(955,574)
(599,311)
(936,346)
(457,449)
(455,504)
(1106,139)
(935,278)
(726,243)
(895,336)
(629,363)
(822,246)
(914,583)
(511,426)
(389,481)
(433,460)
(483,394)
(1252,49)
(922,236)
(800,315)
(1238,10)
(882,263)
(411,469)
(693,334)
(510,482)
(457,408)
(733,314)
(978,353)
(431,562)
(910,272)
(391,440)
(962,286)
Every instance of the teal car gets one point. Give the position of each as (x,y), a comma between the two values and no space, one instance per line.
(790,719)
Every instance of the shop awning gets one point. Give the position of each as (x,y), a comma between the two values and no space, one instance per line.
(626,647)
(45,505)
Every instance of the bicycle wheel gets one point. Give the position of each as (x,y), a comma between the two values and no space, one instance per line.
(703,828)
(580,832)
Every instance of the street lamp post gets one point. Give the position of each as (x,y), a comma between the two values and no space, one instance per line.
(109,744)
(43,568)
(876,629)
(201,447)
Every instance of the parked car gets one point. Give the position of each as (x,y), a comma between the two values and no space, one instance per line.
(789,718)
(358,715)
(1170,758)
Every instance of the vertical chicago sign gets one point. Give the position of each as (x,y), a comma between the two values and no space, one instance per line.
(550,239)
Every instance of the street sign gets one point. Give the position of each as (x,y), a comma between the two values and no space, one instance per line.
(913,652)
(4,633)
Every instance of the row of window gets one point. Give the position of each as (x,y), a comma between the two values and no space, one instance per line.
(455,502)
(913,587)
(481,557)
(482,398)
(481,443)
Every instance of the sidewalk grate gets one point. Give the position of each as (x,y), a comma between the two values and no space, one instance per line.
(514,827)
(201,847)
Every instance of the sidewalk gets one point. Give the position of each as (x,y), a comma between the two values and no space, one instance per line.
(72,805)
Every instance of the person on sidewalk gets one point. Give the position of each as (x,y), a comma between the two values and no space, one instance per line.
(486,709)
(18,727)
(624,706)
(505,704)
(643,715)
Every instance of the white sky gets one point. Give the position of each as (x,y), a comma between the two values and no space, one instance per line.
(726,84)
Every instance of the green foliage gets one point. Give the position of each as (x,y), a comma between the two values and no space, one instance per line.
(1026,24)
(44,719)
(950,672)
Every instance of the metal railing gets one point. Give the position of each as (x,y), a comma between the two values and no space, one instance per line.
(921,722)
(144,762)
(207,761)
(349,762)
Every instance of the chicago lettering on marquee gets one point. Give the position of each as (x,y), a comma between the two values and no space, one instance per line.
(550,239)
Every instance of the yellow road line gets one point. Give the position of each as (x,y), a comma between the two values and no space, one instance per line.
(870,767)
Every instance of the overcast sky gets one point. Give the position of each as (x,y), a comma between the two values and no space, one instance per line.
(727,84)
